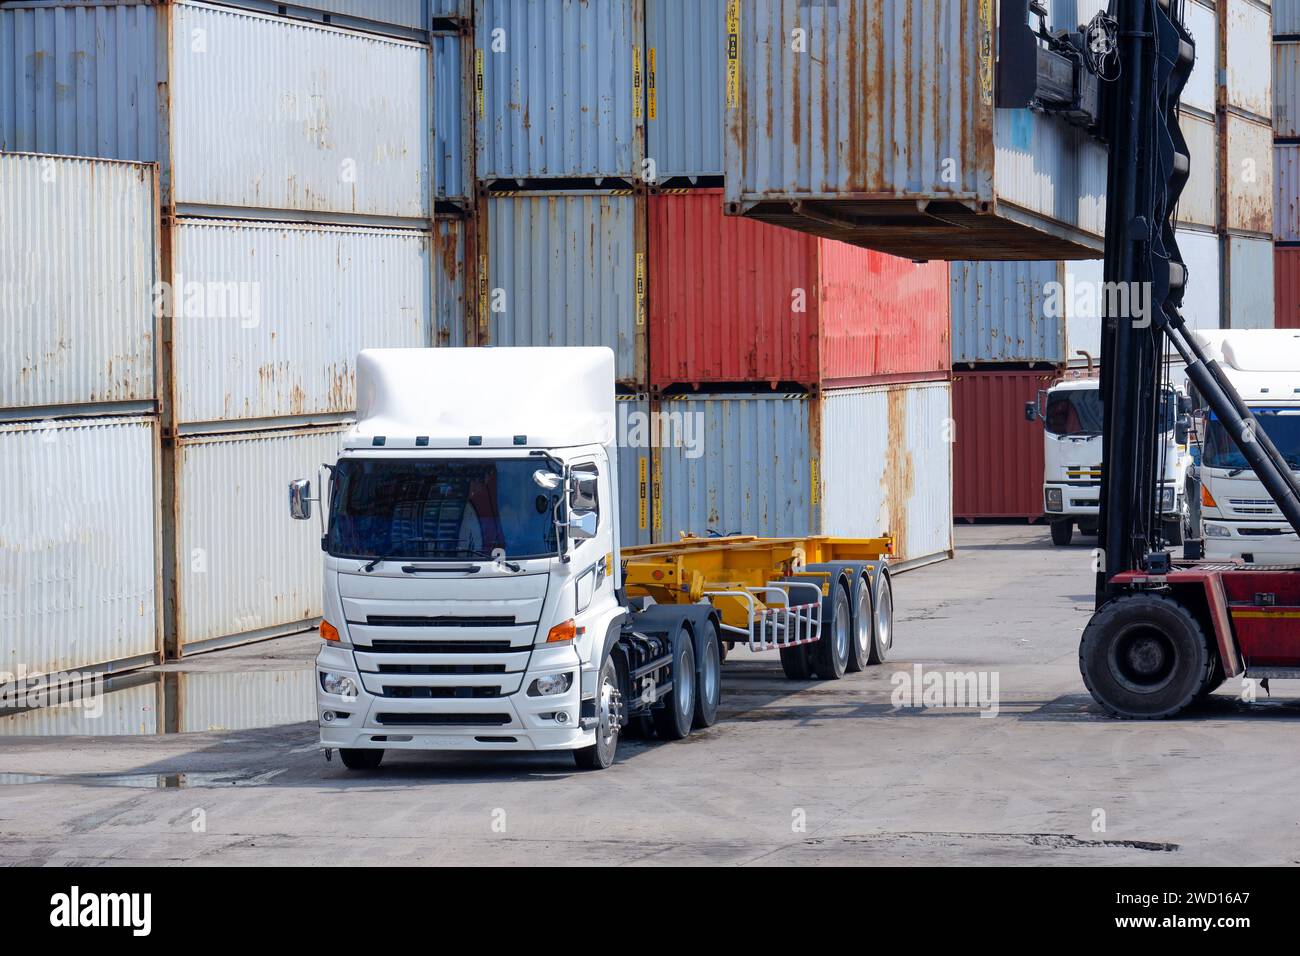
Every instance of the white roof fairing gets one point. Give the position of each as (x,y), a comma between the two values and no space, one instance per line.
(557,397)
(1263,364)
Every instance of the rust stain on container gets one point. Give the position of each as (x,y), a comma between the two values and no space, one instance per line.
(900,476)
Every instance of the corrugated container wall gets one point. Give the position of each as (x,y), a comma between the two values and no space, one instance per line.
(234,580)
(299,302)
(1286,17)
(1247,200)
(1286,278)
(1008,312)
(453,159)
(840,123)
(998,456)
(1199,203)
(116,711)
(410,15)
(635,464)
(1246,34)
(460,9)
(560,88)
(686,56)
(565,269)
(81,80)
(79,544)
(733,300)
(1201,91)
(1248,268)
(339,119)
(1286,88)
(78,261)
(244,700)
(452,280)
(1202,255)
(1286,184)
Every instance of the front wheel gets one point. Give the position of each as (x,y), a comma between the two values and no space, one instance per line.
(1062,533)
(609,722)
(359,759)
(1144,657)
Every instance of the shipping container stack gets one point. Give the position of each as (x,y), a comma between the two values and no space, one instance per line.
(1286,152)
(299,194)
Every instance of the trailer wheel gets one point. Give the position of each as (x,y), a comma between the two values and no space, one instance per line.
(1062,533)
(673,720)
(1144,657)
(357,758)
(882,629)
(795,663)
(708,692)
(863,624)
(609,719)
(830,655)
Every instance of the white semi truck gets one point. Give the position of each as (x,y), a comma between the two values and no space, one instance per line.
(476,596)
(1239,518)
(1072,415)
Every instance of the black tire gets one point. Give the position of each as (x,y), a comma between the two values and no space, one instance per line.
(359,759)
(795,663)
(609,721)
(882,624)
(1062,533)
(673,720)
(863,623)
(1144,657)
(830,655)
(708,684)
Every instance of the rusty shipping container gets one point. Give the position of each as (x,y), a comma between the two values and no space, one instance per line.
(733,300)
(998,457)
(1286,285)
(1286,186)
(1286,88)
(1245,36)
(1246,191)
(878,122)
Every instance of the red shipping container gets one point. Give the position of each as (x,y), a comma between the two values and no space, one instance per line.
(997,456)
(1286,287)
(734,300)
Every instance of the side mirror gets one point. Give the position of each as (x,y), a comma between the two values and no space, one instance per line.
(583,495)
(548,480)
(582,525)
(300,499)
(1031,411)
(1183,429)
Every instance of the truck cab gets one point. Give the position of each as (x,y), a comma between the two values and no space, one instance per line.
(1072,416)
(1239,518)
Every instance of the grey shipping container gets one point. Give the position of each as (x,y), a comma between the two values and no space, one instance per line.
(1286,185)
(880,126)
(1286,17)
(635,461)
(412,16)
(453,282)
(686,56)
(1245,34)
(559,88)
(453,132)
(1008,312)
(1286,88)
(565,269)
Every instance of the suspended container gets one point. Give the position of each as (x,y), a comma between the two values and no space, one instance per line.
(1286,282)
(559,89)
(245,571)
(686,57)
(453,132)
(1248,279)
(565,269)
(880,128)
(79,546)
(453,281)
(998,457)
(732,300)
(78,262)
(269,317)
(854,462)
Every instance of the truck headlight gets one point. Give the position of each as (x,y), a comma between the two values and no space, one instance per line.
(1055,499)
(1167,499)
(550,685)
(340,684)
(1217,531)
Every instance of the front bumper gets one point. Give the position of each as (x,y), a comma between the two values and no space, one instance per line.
(1264,543)
(511,722)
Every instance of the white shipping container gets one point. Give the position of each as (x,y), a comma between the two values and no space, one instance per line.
(271,316)
(1201,91)
(1199,203)
(244,700)
(1247,30)
(1202,305)
(1248,275)
(246,570)
(79,547)
(283,114)
(78,258)
(1247,187)
(127,711)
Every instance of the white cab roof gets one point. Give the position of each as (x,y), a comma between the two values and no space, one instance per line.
(1263,364)
(549,397)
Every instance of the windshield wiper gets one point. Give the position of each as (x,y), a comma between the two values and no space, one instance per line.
(485,556)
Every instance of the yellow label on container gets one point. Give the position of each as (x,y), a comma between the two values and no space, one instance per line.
(652,104)
(640,289)
(814,488)
(643,493)
(636,82)
(482,291)
(733,53)
(478,81)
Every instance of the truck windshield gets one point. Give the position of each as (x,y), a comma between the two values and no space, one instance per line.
(1282,425)
(1079,412)
(440,509)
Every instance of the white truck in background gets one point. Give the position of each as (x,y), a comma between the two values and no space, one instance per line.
(476,594)
(1238,517)
(1072,415)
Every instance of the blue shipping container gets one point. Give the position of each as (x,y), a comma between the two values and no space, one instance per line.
(686,56)
(452,161)
(1008,312)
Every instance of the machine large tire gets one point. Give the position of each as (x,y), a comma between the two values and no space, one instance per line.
(361,758)
(830,655)
(882,625)
(1144,657)
(708,685)
(1062,533)
(795,663)
(609,719)
(673,720)
(863,623)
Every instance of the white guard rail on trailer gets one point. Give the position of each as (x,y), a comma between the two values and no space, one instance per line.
(773,628)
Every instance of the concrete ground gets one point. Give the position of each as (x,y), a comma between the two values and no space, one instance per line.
(792,774)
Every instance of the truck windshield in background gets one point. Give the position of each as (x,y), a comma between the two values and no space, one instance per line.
(1282,425)
(1078,413)
(440,509)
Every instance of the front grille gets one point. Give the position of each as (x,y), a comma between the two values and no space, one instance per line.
(400,620)
(441,647)
(441,693)
(443,720)
(442,668)
(1261,532)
